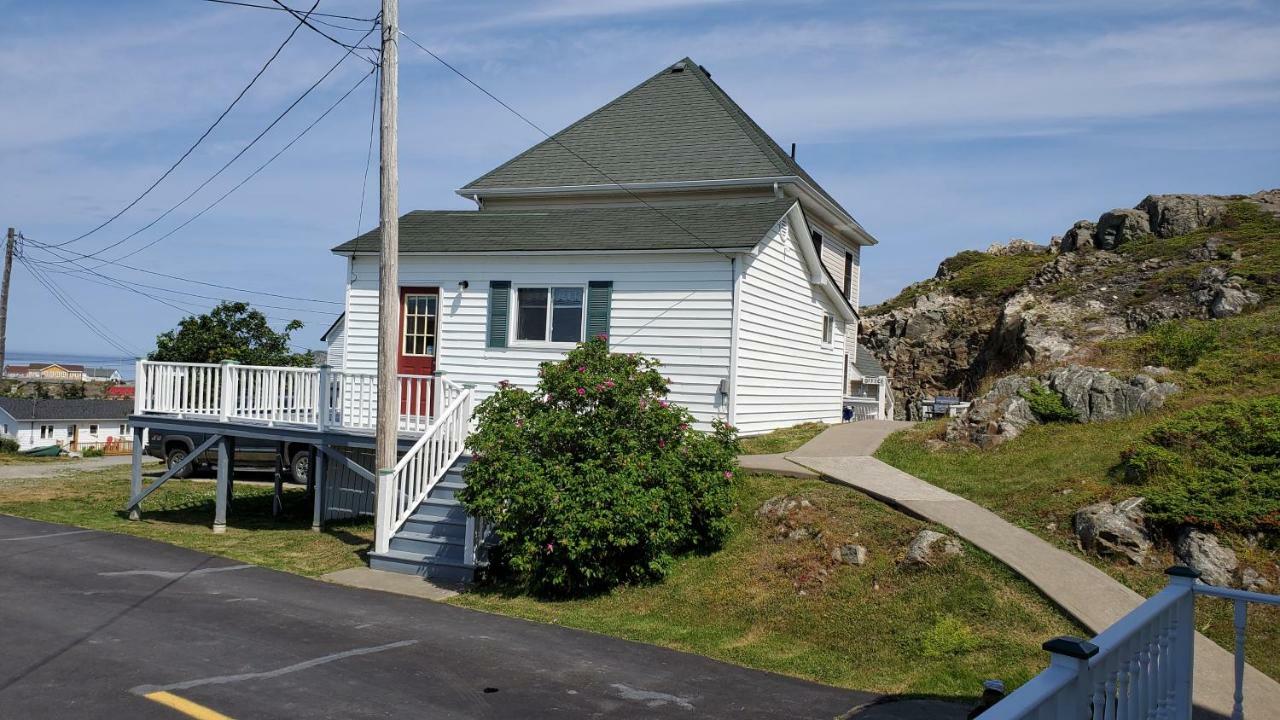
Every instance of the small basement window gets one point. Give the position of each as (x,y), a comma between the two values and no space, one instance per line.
(93,429)
(549,314)
(828,326)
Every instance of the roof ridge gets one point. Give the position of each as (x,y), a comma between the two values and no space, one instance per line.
(552,138)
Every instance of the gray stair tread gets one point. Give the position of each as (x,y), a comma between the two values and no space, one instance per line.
(440,502)
(425,537)
(413,557)
(422,518)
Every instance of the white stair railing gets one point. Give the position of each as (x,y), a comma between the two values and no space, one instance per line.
(1140,667)
(402,488)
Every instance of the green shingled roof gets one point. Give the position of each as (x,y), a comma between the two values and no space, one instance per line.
(867,363)
(729,227)
(676,126)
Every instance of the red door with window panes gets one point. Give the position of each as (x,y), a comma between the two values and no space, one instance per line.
(419,340)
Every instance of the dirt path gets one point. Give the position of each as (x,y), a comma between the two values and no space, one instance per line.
(31,471)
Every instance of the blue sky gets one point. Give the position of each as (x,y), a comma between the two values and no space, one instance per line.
(941,125)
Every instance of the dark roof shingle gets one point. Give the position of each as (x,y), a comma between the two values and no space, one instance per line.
(59,409)
(728,227)
(678,125)
(867,364)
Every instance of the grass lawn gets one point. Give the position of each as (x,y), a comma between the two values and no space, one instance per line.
(881,626)
(181,513)
(783,440)
(18,459)
(1038,480)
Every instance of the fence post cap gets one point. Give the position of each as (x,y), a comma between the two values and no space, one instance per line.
(230,362)
(1182,571)
(326,366)
(1071,646)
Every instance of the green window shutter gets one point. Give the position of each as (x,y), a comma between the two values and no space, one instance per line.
(499,309)
(599,300)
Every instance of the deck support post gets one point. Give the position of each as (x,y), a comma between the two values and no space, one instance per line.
(226,463)
(135,477)
(277,503)
(317,491)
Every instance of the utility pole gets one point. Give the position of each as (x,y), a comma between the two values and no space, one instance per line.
(388,262)
(4,293)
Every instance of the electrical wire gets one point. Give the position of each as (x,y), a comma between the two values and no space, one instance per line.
(80,314)
(555,140)
(368,158)
(351,49)
(200,139)
(278,9)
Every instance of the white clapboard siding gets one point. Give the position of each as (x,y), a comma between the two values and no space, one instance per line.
(336,352)
(676,307)
(786,375)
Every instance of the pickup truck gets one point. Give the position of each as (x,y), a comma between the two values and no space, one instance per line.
(251,454)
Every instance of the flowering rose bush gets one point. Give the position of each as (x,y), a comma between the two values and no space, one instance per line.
(595,479)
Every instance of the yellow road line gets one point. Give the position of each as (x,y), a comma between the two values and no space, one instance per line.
(185,706)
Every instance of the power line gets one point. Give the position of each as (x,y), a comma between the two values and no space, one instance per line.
(368,158)
(199,140)
(79,313)
(95,254)
(553,139)
(278,9)
(351,49)
(192,280)
(88,275)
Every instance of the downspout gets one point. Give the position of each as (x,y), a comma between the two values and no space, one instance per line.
(735,276)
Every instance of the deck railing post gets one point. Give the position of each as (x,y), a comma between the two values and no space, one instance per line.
(1184,639)
(1072,654)
(383,501)
(139,386)
(228,380)
(322,401)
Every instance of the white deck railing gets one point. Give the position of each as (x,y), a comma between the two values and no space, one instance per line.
(1140,667)
(322,398)
(403,487)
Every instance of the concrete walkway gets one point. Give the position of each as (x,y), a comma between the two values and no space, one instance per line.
(1089,595)
(853,438)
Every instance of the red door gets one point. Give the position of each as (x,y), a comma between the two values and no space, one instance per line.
(419,340)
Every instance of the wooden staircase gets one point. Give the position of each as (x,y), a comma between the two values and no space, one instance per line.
(432,542)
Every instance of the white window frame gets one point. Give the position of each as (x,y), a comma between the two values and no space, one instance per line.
(828,329)
(404,316)
(513,322)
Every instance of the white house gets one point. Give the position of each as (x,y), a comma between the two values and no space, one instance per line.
(666,219)
(73,424)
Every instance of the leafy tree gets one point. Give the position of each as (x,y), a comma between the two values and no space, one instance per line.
(231,331)
(40,391)
(72,391)
(596,479)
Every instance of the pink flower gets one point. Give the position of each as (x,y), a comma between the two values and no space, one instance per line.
(663,403)
(728,475)
(602,336)
(550,547)
(662,443)
(504,384)
(684,426)
(582,391)
(582,368)
(475,456)
(609,383)
(644,404)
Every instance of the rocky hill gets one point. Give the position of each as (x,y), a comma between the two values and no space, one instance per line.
(1023,306)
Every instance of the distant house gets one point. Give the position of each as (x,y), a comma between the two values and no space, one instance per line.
(335,340)
(120,392)
(102,375)
(45,371)
(73,424)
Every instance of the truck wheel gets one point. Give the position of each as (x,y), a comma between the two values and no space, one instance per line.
(174,458)
(300,468)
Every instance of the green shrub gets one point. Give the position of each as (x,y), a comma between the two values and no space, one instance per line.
(1217,466)
(1048,405)
(8,446)
(1178,345)
(90,452)
(596,479)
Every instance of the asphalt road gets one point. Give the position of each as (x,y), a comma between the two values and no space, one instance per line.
(92,624)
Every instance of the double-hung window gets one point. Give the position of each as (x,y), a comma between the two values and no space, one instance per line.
(549,314)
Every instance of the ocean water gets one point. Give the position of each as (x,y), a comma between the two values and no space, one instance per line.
(124,365)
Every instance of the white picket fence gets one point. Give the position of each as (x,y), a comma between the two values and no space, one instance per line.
(322,398)
(1140,667)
